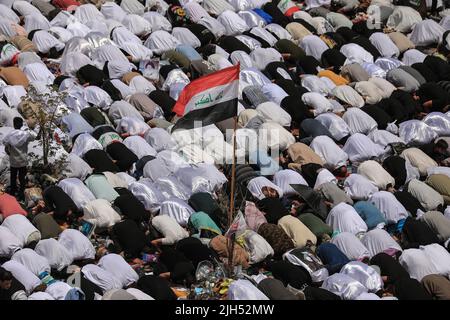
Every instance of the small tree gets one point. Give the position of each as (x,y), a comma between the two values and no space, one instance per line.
(44,110)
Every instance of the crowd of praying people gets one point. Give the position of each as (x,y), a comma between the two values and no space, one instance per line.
(353,96)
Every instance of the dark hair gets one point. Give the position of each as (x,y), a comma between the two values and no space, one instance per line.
(442,144)
(17,122)
(5,275)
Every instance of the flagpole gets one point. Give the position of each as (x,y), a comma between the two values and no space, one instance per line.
(231,209)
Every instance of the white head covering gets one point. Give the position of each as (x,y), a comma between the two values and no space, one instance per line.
(195,11)
(271,111)
(426,33)
(255,186)
(132,126)
(386,88)
(284,179)
(329,152)
(378,240)
(56,254)
(177,209)
(104,279)
(261,57)
(279,31)
(158,21)
(313,46)
(216,7)
(324,176)
(83,143)
(161,41)
(416,262)
(388,204)
(318,103)
(383,138)
(355,53)
(9,243)
(348,95)
(160,139)
(185,36)
(350,245)
(315,84)
(384,44)
(364,274)
(403,18)
(40,296)
(21,227)
(23,275)
(241,57)
(335,124)
(148,194)
(412,56)
(77,244)
(32,261)
(359,121)
(139,294)
(344,218)
(119,268)
(139,146)
(245,290)
(359,187)
(344,286)
(137,24)
(97,97)
(359,148)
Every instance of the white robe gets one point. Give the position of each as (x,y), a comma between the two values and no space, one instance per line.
(350,245)
(161,41)
(139,146)
(9,243)
(359,121)
(359,148)
(150,196)
(359,187)
(271,111)
(185,36)
(378,240)
(335,124)
(77,190)
(389,206)
(313,46)
(344,218)
(426,33)
(285,178)
(23,275)
(329,152)
(78,245)
(32,261)
(56,254)
(317,102)
(117,266)
(100,212)
(356,54)
(104,279)
(384,44)
(21,227)
(412,56)
(255,186)
(416,263)
(348,95)
(403,18)
(177,209)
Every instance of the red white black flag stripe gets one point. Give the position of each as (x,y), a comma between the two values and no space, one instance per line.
(208,99)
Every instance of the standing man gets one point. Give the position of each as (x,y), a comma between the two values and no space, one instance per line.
(16,146)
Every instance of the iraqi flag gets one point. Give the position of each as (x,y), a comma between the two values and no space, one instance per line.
(208,99)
